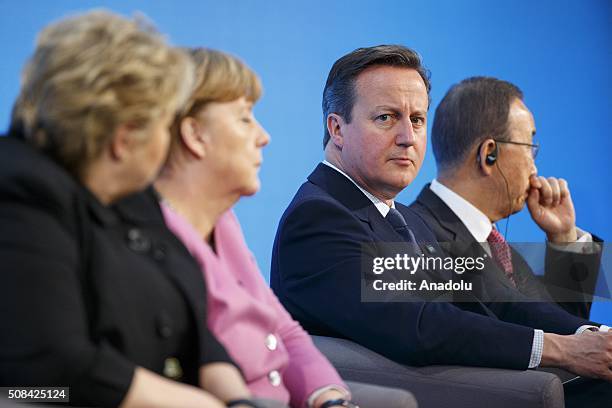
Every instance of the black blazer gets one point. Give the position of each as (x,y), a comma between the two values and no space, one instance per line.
(316,263)
(567,274)
(87,292)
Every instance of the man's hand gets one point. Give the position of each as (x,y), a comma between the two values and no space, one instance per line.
(551,207)
(588,354)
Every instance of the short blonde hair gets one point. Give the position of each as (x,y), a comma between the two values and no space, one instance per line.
(89,74)
(219,77)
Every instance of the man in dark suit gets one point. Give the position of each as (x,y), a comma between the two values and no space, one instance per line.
(482,139)
(375,107)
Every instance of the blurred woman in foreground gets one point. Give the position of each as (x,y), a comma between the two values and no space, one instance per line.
(214,160)
(103,301)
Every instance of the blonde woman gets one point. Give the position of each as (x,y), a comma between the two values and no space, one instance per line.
(214,160)
(103,301)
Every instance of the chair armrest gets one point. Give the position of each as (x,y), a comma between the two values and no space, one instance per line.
(436,386)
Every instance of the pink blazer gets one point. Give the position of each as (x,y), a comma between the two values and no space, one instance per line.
(277,357)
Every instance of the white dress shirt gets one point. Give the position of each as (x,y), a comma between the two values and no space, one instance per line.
(382,207)
(477,223)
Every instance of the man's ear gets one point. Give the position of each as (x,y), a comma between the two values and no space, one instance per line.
(335,123)
(486,156)
(193,135)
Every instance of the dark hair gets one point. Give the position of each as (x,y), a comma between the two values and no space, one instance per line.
(339,92)
(471,111)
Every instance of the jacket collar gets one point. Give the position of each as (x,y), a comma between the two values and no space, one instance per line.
(141,208)
(476,222)
(349,195)
(463,243)
(462,239)
(343,190)
(101,213)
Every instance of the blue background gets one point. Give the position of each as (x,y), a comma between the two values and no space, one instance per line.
(558,52)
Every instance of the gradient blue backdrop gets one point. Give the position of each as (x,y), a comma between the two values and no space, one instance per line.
(558,52)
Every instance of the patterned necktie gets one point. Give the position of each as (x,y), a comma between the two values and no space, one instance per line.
(500,250)
(398,222)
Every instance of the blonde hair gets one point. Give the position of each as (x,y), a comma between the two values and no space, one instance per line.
(89,74)
(219,77)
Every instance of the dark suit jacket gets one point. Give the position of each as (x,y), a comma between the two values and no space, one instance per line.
(316,265)
(87,293)
(573,274)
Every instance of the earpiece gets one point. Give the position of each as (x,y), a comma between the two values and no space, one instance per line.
(491,158)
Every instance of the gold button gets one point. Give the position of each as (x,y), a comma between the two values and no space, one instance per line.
(271,342)
(172,368)
(275,378)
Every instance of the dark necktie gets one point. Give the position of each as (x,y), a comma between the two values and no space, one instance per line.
(500,250)
(398,222)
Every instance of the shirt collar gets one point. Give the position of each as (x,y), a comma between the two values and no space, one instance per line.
(380,205)
(477,223)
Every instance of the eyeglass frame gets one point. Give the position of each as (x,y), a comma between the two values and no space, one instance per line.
(535,148)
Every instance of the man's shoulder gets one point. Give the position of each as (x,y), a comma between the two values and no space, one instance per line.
(419,208)
(424,203)
(309,192)
(312,199)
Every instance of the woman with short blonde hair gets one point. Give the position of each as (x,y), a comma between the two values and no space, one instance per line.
(102,300)
(92,73)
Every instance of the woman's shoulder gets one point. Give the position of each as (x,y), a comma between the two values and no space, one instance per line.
(29,177)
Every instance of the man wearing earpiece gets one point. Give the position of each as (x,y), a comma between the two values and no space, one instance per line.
(483,141)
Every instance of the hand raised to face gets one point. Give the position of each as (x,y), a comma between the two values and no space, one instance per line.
(551,207)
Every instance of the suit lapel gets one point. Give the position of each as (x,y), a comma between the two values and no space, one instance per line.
(463,243)
(339,187)
(345,191)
